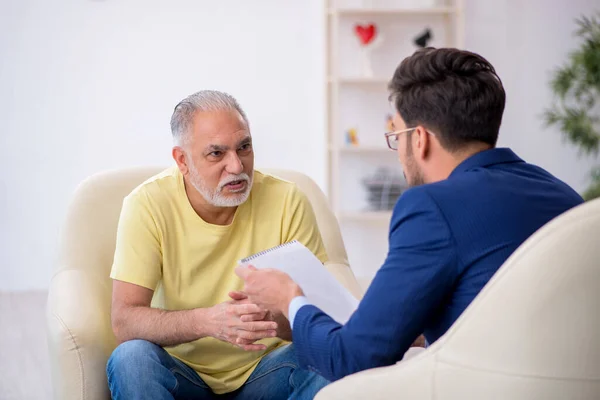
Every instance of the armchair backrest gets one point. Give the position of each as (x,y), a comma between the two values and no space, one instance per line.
(328,224)
(80,337)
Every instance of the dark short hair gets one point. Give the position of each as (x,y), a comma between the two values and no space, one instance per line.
(455,93)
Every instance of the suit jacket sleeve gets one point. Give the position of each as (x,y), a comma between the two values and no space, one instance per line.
(418,273)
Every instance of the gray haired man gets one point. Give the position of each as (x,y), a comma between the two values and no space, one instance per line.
(184,327)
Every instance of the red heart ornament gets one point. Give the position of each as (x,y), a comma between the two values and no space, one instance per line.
(365,33)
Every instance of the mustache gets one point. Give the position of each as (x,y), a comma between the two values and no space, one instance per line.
(232,178)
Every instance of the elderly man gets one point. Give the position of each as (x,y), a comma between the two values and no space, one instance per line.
(179,238)
(470,206)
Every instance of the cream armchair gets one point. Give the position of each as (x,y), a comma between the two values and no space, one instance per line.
(532,333)
(80,337)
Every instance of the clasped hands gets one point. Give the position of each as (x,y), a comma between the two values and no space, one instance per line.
(250,315)
(271,291)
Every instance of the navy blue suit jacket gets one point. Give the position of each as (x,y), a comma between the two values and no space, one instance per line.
(446,240)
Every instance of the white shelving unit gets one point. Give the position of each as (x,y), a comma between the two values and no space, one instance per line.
(366,216)
(362,11)
(356,101)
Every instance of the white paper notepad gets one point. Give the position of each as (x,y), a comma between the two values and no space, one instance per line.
(318,285)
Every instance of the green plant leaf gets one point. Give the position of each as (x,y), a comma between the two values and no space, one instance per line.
(563,80)
(578,127)
(552,116)
(576,86)
(593,191)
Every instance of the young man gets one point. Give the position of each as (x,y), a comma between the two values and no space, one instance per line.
(470,206)
(180,236)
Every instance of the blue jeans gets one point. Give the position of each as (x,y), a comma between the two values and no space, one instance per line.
(138,369)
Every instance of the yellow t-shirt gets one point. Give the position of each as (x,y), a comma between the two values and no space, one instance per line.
(163,245)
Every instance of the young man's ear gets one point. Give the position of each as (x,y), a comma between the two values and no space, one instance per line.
(422,141)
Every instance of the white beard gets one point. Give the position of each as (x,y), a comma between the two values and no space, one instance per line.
(216,197)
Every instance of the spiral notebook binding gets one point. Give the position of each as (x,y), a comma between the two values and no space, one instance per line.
(252,257)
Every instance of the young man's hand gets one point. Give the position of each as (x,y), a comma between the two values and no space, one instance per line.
(270,289)
(419,342)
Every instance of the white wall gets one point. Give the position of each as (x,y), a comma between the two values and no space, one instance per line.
(526,41)
(90,85)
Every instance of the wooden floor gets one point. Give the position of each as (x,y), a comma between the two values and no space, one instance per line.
(24,367)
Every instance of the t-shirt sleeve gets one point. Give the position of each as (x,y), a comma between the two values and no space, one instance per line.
(300,223)
(138,256)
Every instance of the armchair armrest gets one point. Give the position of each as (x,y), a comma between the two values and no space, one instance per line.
(80,337)
(409,379)
(344,275)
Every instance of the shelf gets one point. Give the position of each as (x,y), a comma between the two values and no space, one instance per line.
(359,81)
(392,11)
(365,216)
(354,99)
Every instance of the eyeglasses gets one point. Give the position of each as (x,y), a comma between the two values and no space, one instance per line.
(392,137)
